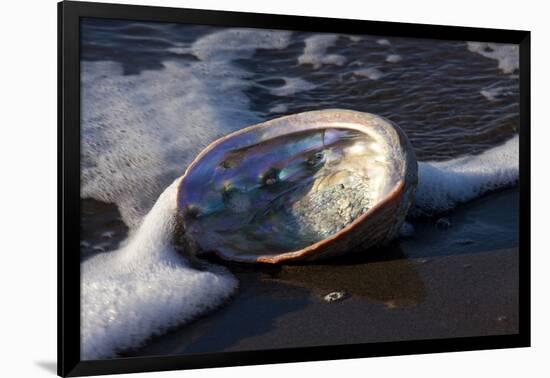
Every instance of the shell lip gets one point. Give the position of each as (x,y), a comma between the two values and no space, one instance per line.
(393,195)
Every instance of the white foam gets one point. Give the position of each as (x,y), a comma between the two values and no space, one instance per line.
(145,287)
(316,48)
(383,42)
(372,73)
(443,185)
(139,132)
(394,58)
(292,86)
(180,50)
(496,93)
(507,55)
(233,43)
(280,108)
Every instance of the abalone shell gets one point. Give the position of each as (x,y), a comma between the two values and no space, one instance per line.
(301,187)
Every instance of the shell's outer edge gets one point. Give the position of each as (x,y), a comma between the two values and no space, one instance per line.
(378,225)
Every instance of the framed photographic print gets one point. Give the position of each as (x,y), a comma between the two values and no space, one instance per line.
(241,188)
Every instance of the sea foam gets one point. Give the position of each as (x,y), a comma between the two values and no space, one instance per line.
(292,86)
(145,287)
(507,55)
(496,93)
(139,132)
(315,51)
(443,185)
(372,73)
(232,44)
(394,58)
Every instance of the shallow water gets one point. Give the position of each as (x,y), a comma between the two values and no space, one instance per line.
(437,90)
(153,95)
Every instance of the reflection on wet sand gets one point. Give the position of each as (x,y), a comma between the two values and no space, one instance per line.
(394,283)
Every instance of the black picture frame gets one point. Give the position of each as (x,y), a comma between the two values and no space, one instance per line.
(69,14)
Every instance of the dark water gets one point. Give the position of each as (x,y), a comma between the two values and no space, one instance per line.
(433,92)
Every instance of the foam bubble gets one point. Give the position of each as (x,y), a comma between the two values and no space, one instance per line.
(372,73)
(496,93)
(507,55)
(383,42)
(238,43)
(443,185)
(139,133)
(291,86)
(394,58)
(280,108)
(316,48)
(145,287)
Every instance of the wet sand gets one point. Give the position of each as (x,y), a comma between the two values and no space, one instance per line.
(455,281)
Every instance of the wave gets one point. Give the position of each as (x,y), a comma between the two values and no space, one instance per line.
(496,93)
(139,132)
(443,185)
(145,287)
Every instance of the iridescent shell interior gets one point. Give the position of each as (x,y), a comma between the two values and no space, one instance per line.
(289,184)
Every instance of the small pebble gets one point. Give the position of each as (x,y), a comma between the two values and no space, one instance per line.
(334,296)
(443,223)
